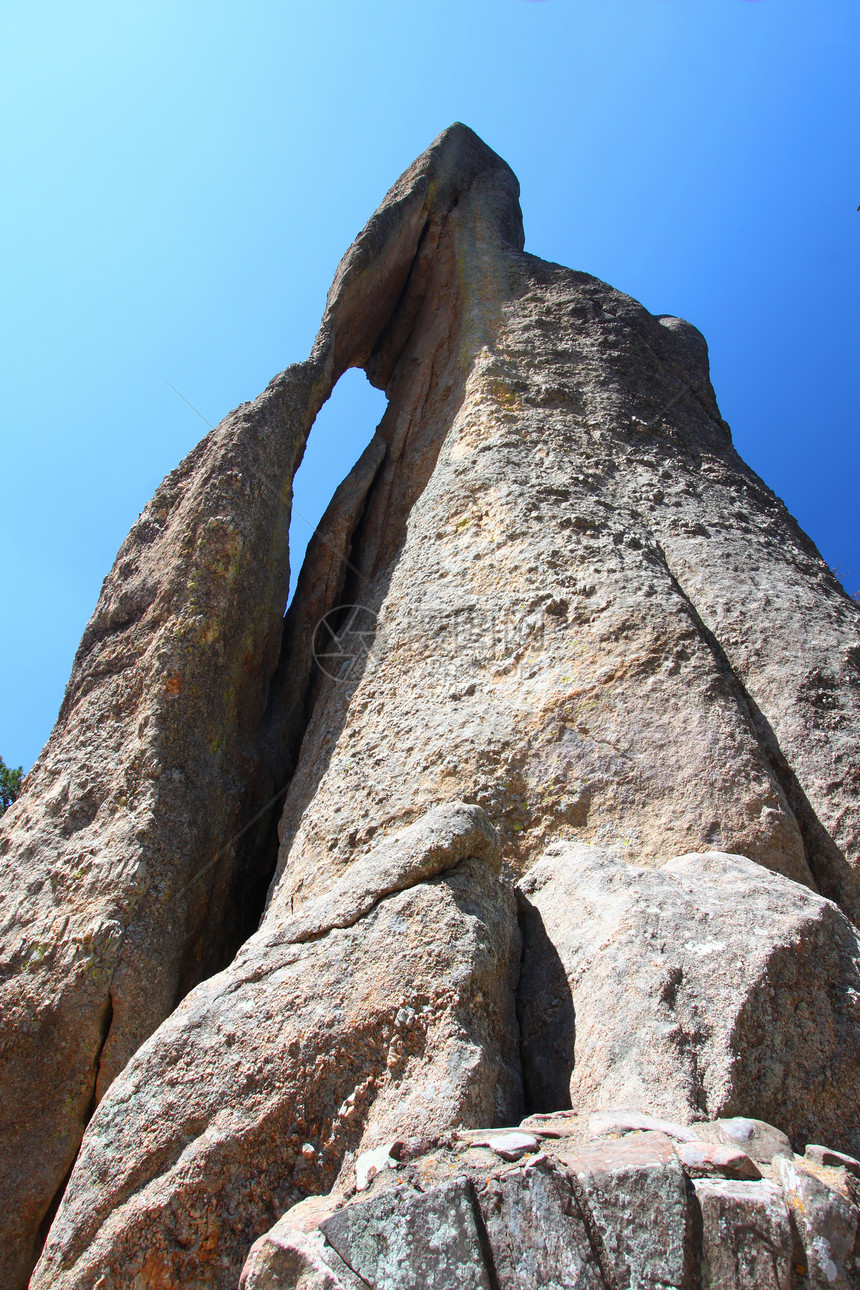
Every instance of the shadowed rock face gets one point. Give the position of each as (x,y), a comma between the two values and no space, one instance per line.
(579,615)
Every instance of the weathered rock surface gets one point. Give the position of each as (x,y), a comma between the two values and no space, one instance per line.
(537,1230)
(707,988)
(586,1213)
(746,1236)
(827,1225)
(134,863)
(122,879)
(637,1195)
(312,1044)
(568,613)
(417,1241)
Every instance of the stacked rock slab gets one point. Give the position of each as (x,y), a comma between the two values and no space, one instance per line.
(572,623)
(648,1206)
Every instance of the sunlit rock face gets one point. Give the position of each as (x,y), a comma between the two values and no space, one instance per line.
(560,618)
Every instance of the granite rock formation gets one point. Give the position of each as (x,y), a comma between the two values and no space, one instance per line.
(723,974)
(583,1202)
(258,915)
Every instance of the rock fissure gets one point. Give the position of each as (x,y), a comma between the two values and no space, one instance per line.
(359,1279)
(325,569)
(828,868)
(573,616)
(108,1021)
(484,1242)
(595,1239)
(54,1204)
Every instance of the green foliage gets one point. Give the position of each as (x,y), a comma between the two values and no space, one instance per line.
(10,784)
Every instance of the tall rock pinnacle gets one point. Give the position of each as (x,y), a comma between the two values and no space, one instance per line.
(573,634)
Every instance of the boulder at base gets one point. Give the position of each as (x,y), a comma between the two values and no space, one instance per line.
(710,987)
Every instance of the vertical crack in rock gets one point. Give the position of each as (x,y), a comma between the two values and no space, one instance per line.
(318,592)
(595,1239)
(548,1032)
(483,1239)
(834,877)
(662,1022)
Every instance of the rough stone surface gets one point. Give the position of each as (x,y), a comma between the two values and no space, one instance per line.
(574,609)
(589,1214)
(637,1194)
(402,1021)
(827,1224)
(122,880)
(285,1257)
(564,677)
(746,1236)
(702,989)
(537,1234)
(412,1241)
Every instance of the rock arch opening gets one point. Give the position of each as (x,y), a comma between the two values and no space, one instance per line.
(329,489)
(342,428)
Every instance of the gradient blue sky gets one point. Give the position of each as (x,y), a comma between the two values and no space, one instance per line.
(182,178)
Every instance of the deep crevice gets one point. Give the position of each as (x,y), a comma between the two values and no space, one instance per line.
(57,1198)
(295,685)
(365,524)
(291,697)
(290,705)
(50,1215)
(287,715)
(106,1026)
(484,1241)
(546,1017)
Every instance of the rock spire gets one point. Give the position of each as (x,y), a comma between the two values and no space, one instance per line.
(586,744)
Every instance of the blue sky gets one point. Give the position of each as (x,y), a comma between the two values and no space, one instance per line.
(182,178)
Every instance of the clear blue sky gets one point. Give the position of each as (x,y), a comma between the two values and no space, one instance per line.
(182,178)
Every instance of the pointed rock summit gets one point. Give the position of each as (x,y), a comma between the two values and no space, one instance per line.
(543,798)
